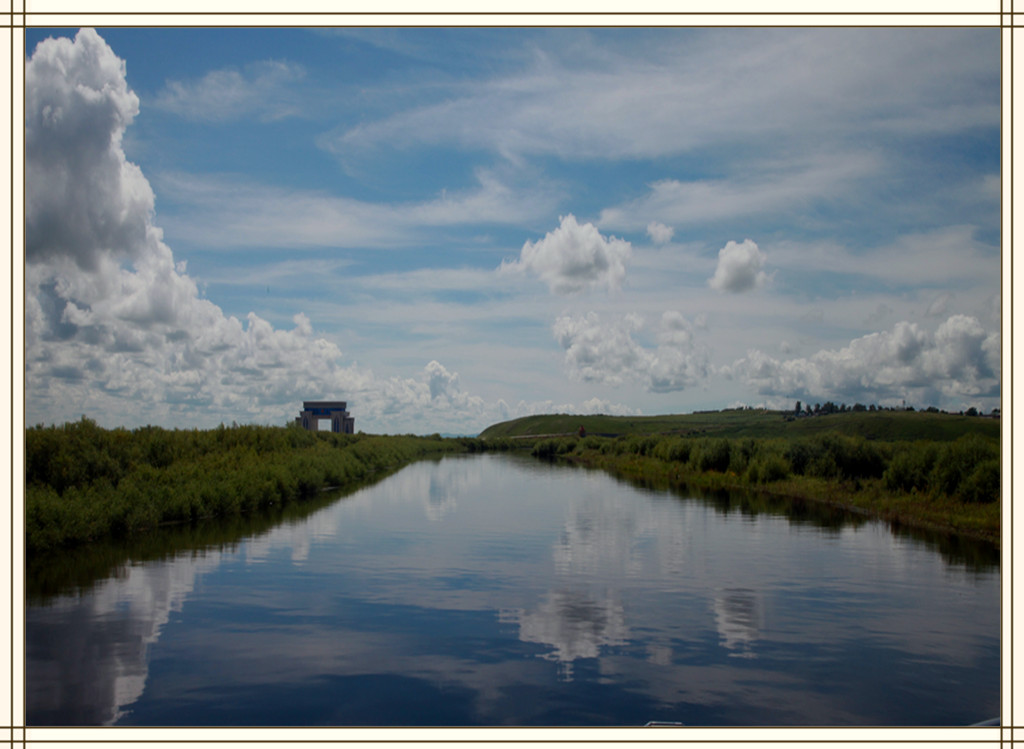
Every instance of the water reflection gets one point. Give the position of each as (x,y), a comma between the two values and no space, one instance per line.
(738,617)
(955,549)
(94,612)
(489,590)
(576,624)
(78,569)
(88,654)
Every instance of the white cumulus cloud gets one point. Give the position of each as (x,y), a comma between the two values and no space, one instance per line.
(117,329)
(659,233)
(607,352)
(573,258)
(739,268)
(84,200)
(959,361)
(596,352)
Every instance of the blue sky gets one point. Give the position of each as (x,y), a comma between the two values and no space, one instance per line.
(452,227)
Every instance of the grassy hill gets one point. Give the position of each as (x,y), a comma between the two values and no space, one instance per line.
(889,426)
(916,469)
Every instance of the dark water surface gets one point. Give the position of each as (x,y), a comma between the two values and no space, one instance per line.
(495,590)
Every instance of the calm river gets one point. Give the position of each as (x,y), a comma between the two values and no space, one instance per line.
(500,590)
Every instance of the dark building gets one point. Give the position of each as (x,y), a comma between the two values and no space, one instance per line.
(336,411)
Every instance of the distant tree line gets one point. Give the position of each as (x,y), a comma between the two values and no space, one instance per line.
(829,407)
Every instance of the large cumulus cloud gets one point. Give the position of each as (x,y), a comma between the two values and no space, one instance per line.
(85,203)
(118,330)
(958,362)
(608,353)
(112,321)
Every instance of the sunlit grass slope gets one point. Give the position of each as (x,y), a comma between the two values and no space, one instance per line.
(889,426)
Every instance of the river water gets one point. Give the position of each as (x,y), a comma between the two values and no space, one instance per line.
(501,590)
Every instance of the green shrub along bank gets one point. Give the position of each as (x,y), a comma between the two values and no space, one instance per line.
(952,485)
(84,482)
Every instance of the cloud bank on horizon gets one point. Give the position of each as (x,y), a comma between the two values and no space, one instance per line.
(452,227)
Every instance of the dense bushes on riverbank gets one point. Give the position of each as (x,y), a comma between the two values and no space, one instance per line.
(84,482)
(966,469)
(943,484)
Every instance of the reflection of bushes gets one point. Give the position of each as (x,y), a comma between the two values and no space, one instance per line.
(79,567)
(84,482)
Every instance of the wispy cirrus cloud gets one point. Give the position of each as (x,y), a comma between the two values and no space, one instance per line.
(592,100)
(263,89)
(944,255)
(224,211)
(760,188)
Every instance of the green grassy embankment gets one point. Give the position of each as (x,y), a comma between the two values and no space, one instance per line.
(932,470)
(888,426)
(925,470)
(85,483)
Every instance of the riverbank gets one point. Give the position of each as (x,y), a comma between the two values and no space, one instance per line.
(85,483)
(841,472)
(868,497)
